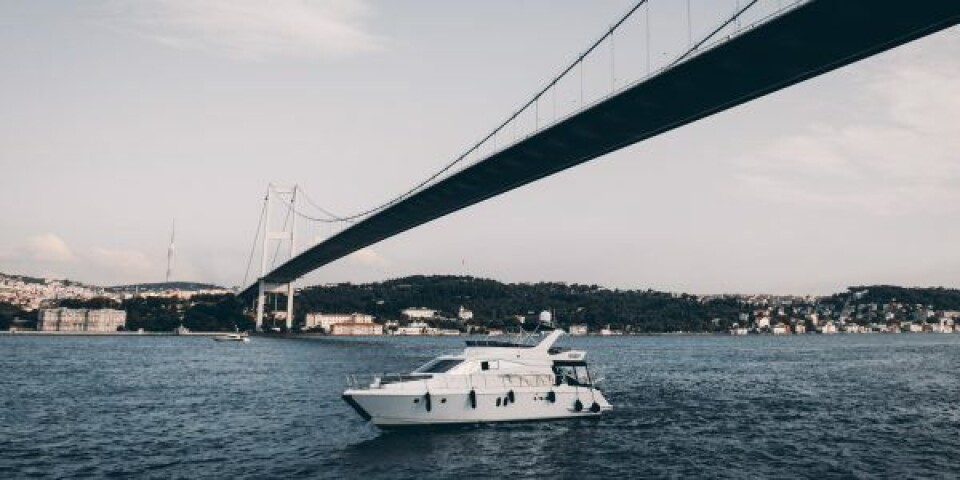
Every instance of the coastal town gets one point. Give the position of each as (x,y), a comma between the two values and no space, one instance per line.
(756,314)
(799,315)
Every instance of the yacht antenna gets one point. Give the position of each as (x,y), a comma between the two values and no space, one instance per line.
(530,335)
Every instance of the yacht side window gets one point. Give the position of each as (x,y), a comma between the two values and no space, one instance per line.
(484,365)
(439,365)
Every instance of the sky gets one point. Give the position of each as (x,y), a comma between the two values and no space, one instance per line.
(119,118)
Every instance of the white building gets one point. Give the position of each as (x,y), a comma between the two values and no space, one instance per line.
(327,320)
(419,313)
(578,330)
(80,320)
(464,314)
(356,329)
(415,328)
(546,317)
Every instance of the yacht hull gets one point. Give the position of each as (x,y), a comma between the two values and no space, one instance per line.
(408,409)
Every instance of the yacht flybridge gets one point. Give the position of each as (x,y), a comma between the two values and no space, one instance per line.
(489,381)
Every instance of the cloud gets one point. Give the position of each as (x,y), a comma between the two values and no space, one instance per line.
(368,257)
(48,248)
(250,29)
(892,152)
(128,261)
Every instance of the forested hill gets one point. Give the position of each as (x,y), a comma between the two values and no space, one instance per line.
(496,304)
(938,298)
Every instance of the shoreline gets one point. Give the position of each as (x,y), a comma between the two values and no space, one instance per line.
(34,333)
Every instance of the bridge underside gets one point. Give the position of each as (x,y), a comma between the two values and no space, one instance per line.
(815,38)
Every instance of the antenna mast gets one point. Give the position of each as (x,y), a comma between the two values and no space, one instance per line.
(171,251)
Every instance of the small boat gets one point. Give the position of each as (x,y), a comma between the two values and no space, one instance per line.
(491,381)
(232,337)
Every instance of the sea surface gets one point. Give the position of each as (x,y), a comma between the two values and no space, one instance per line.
(840,406)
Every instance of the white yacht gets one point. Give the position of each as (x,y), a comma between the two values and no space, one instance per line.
(233,337)
(490,381)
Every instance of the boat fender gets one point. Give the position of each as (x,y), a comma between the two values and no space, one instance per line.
(473,398)
(511,397)
(578,405)
(426,401)
(595,408)
(551,397)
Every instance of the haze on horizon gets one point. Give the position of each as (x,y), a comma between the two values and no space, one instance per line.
(118,118)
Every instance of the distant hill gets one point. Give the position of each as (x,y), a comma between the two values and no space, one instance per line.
(497,304)
(143,287)
(37,280)
(937,298)
(161,286)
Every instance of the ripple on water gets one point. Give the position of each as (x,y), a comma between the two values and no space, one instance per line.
(754,407)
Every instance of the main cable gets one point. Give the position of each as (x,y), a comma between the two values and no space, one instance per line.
(253,249)
(496,130)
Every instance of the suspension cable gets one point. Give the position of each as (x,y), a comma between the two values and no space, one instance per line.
(707,38)
(578,62)
(309,200)
(256,237)
(500,127)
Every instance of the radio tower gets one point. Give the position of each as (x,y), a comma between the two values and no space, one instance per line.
(171,252)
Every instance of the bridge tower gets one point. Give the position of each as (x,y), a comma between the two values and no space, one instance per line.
(276,194)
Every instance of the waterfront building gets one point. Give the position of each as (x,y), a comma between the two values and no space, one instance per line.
(419,313)
(781,329)
(80,320)
(326,320)
(578,329)
(853,328)
(356,329)
(415,328)
(828,327)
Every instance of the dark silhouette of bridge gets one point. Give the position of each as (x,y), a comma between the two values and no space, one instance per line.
(804,40)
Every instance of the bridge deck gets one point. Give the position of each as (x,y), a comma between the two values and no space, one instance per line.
(815,38)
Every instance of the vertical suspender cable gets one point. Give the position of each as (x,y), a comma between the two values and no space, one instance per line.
(581,83)
(613,62)
(647,16)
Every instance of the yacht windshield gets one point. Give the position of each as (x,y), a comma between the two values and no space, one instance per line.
(571,373)
(439,365)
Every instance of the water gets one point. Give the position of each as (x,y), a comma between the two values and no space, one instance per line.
(735,407)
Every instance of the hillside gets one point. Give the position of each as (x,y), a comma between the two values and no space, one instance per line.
(494,303)
(163,286)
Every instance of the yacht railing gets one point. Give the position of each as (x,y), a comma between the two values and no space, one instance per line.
(451,381)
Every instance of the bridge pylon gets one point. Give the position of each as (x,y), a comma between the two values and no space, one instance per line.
(269,235)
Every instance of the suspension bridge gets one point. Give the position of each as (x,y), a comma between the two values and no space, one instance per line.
(662,65)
